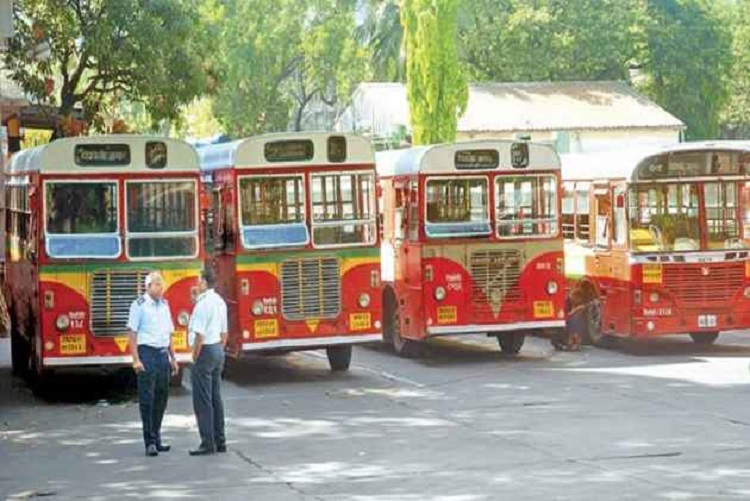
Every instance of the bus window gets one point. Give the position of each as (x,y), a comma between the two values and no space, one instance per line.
(569,211)
(665,217)
(81,219)
(723,228)
(161,219)
(526,206)
(273,211)
(619,219)
(603,219)
(582,212)
(457,207)
(343,208)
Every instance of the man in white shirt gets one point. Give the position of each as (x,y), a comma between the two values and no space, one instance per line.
(208,336)
(150,325)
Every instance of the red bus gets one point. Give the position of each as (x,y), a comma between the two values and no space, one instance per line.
(658,241)
(295,243)
(88,219)
(472,242)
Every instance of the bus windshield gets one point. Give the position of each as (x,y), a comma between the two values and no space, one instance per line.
(81,219)
(161,219)
(665,217)
(343,206)
(273,211)
(526,206)
(457,207)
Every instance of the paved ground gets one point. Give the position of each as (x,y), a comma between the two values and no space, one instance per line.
(667,420)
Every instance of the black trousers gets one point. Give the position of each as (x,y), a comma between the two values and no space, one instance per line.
(153,391)
(207,403)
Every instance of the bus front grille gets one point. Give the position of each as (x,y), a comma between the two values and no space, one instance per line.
(112,293)
(699,284)
(310,288)
(495,274)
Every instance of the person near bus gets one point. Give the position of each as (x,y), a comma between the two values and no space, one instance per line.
(207,337)
(150,325)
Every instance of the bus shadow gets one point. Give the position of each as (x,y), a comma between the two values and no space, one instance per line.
(681,346)
(78,388)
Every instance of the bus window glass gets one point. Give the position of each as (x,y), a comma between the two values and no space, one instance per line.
(81,219)
(582,212)
(665,217)
(457,208)
(273,211)
(723,226)
(569,211)
(526,206)
(161,219)
(343,209)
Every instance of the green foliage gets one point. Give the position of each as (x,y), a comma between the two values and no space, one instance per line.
(381,34)
(277,56)
(435,83)
(736,114)
(148,51)
(687,57)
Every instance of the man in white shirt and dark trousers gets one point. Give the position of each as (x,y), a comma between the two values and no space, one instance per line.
(150,325)
(208,335)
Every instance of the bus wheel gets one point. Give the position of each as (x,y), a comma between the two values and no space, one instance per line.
(392,332)
(594,334)
(704,338)
(175,381)
(511,343)
(339,357)
(19,351)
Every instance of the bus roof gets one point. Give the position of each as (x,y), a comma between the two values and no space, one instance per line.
(106,155)
(480,156)
(622,164)
(288,149)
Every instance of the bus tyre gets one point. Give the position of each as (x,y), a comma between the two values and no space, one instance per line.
(704,338)
(511,343)
(594,335)
(175,381)
(19,352)
(339,357)
(405,348)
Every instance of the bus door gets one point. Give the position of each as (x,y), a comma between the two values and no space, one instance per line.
(602,267)
(409,253)
(619,292)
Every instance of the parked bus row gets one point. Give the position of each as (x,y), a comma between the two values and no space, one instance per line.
(319,245)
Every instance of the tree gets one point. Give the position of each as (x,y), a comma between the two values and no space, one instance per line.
(518,40)
(686,58)
(278,56)
(736,114)
(381,34)
(145,51)
(435,84)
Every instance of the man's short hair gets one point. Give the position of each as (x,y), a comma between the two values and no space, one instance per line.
(209,277)
(152,277)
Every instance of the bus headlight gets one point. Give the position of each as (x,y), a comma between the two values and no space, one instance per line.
(62,323)
(439,293)
(747,292)
(551,287)
(183,318)
(258,308)
(654,297)
(364,300)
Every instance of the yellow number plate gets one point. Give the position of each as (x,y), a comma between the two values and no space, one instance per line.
(73,344)
(179,340)
(447,315)
(360,321)
(266,328)
(543,309)
(652,274)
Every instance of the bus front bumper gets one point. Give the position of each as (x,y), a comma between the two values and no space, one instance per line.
(451,330)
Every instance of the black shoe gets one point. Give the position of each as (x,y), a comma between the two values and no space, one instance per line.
(221,449)
(163,447)
(202,451)
(151,451)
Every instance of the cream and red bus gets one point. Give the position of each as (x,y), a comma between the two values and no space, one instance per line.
(472,242)
(295,242)
(658,240)
(88,219)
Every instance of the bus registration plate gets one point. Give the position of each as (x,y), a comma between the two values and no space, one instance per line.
(359,321)
(179,340)
(707,321)
(73,344)
(447,315)
(543,309)
(266,328)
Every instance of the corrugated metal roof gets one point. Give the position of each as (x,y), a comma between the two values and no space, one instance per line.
(522,107)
